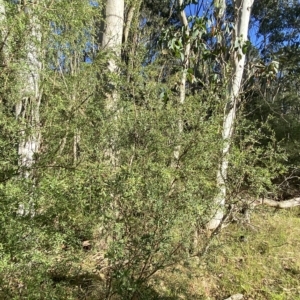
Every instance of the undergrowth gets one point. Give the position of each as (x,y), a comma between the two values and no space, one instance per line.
(260,261)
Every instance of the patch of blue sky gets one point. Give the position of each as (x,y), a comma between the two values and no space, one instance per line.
(199,9)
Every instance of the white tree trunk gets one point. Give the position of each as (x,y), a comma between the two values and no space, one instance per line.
(112,39)
(113,28)
(27,109)
(113,31)
(2,14)
(242,18)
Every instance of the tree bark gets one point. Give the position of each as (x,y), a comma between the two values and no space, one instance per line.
(237,60)
(185,65)
(27,109)
(129,50)
(3,32)
(111,39)
(133,7)
(113,27)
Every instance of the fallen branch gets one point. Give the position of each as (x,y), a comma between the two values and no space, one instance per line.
(279,204)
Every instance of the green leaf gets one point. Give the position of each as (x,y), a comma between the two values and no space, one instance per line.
(182,56)
(246,46)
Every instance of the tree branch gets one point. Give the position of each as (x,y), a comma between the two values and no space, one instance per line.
(279,204)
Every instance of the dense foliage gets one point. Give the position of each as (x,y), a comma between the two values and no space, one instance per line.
(133,217)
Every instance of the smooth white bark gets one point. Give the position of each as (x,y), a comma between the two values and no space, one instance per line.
(112,40)
(113,28)
(243,12)
(113,31)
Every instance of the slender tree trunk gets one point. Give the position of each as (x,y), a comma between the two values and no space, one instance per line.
(130,14)
(111,39)
(129,49)
(4,33)
(242,18)
(27,109)
(182,89)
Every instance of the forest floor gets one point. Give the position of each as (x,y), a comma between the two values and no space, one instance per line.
(260,261)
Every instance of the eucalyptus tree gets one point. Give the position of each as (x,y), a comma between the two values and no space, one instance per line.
(111,36)
(22,58)
(4,31)
(120,104)
(28,106)
(112,30)
(185,65)
(242,13)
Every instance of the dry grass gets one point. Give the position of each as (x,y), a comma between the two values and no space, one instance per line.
(260,261)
